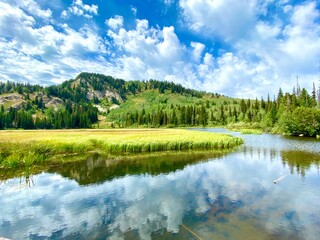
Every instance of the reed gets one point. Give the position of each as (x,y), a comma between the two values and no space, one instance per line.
(246,128)
(27,148)
(250,131)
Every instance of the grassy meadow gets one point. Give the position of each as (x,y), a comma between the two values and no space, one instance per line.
(26,148)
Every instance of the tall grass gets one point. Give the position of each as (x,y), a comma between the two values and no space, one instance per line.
(27,148)
(250,131)
(246,128)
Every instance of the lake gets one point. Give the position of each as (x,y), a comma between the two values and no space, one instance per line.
(268,188)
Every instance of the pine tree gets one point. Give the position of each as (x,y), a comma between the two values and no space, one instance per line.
(183,115)
(243,106)
(235,114)
(268,105)
(174,117)
(1,117)
(249,115)
(263,103)
(280,96)
(203,116)
(222,116)
(256,106)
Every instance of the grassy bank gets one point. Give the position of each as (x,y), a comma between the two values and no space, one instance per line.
(27,148)
(246,128)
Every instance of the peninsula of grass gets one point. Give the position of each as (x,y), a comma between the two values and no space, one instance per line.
(27,148)
(245,128)
(249,131)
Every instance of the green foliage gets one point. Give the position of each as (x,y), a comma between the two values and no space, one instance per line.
(73,116)
(154,104)
(79,96)
(11,87)
(251,131)
(302,120)
(151,109)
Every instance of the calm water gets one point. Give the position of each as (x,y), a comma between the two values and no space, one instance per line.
(173,196)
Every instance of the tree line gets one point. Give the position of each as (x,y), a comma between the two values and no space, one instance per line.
(34,114)
(72,116)
(21,88)
(177,115)
(293,113)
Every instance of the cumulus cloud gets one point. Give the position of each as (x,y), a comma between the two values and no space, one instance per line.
(78,8)
(32,7)
(227,19)
(43,54)
(262,51)
(149,52)
(115,22)
(279,46)
(197,50)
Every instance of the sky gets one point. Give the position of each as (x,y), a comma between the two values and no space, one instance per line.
(243,48)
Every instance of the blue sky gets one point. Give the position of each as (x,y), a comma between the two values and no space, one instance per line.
(238,48)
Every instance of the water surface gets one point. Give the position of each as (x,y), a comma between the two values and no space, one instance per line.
(173,196)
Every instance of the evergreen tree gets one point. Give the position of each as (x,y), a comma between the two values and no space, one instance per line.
(235,114)
(222,115)
(203,118)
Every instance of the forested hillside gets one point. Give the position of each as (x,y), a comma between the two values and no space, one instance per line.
(293,113)
(78,103)
(75,103)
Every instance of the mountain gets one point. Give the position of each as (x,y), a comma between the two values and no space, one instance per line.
(96,100)
(76,103)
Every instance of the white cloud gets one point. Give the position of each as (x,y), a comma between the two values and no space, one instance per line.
(115,22)
(134,10)
(147,52)
(157,53)
(43,54)
(227,19)
(197,50)
(76,43)
(304,16)
(287,50)
(64,14)
(31,7)
(14,23)
(231,74)
(78,8)
(264,53)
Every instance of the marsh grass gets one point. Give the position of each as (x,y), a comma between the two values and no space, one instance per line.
(246,128)
(250,131)
(29,148)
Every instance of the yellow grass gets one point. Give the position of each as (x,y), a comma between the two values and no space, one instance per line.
(29,147)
